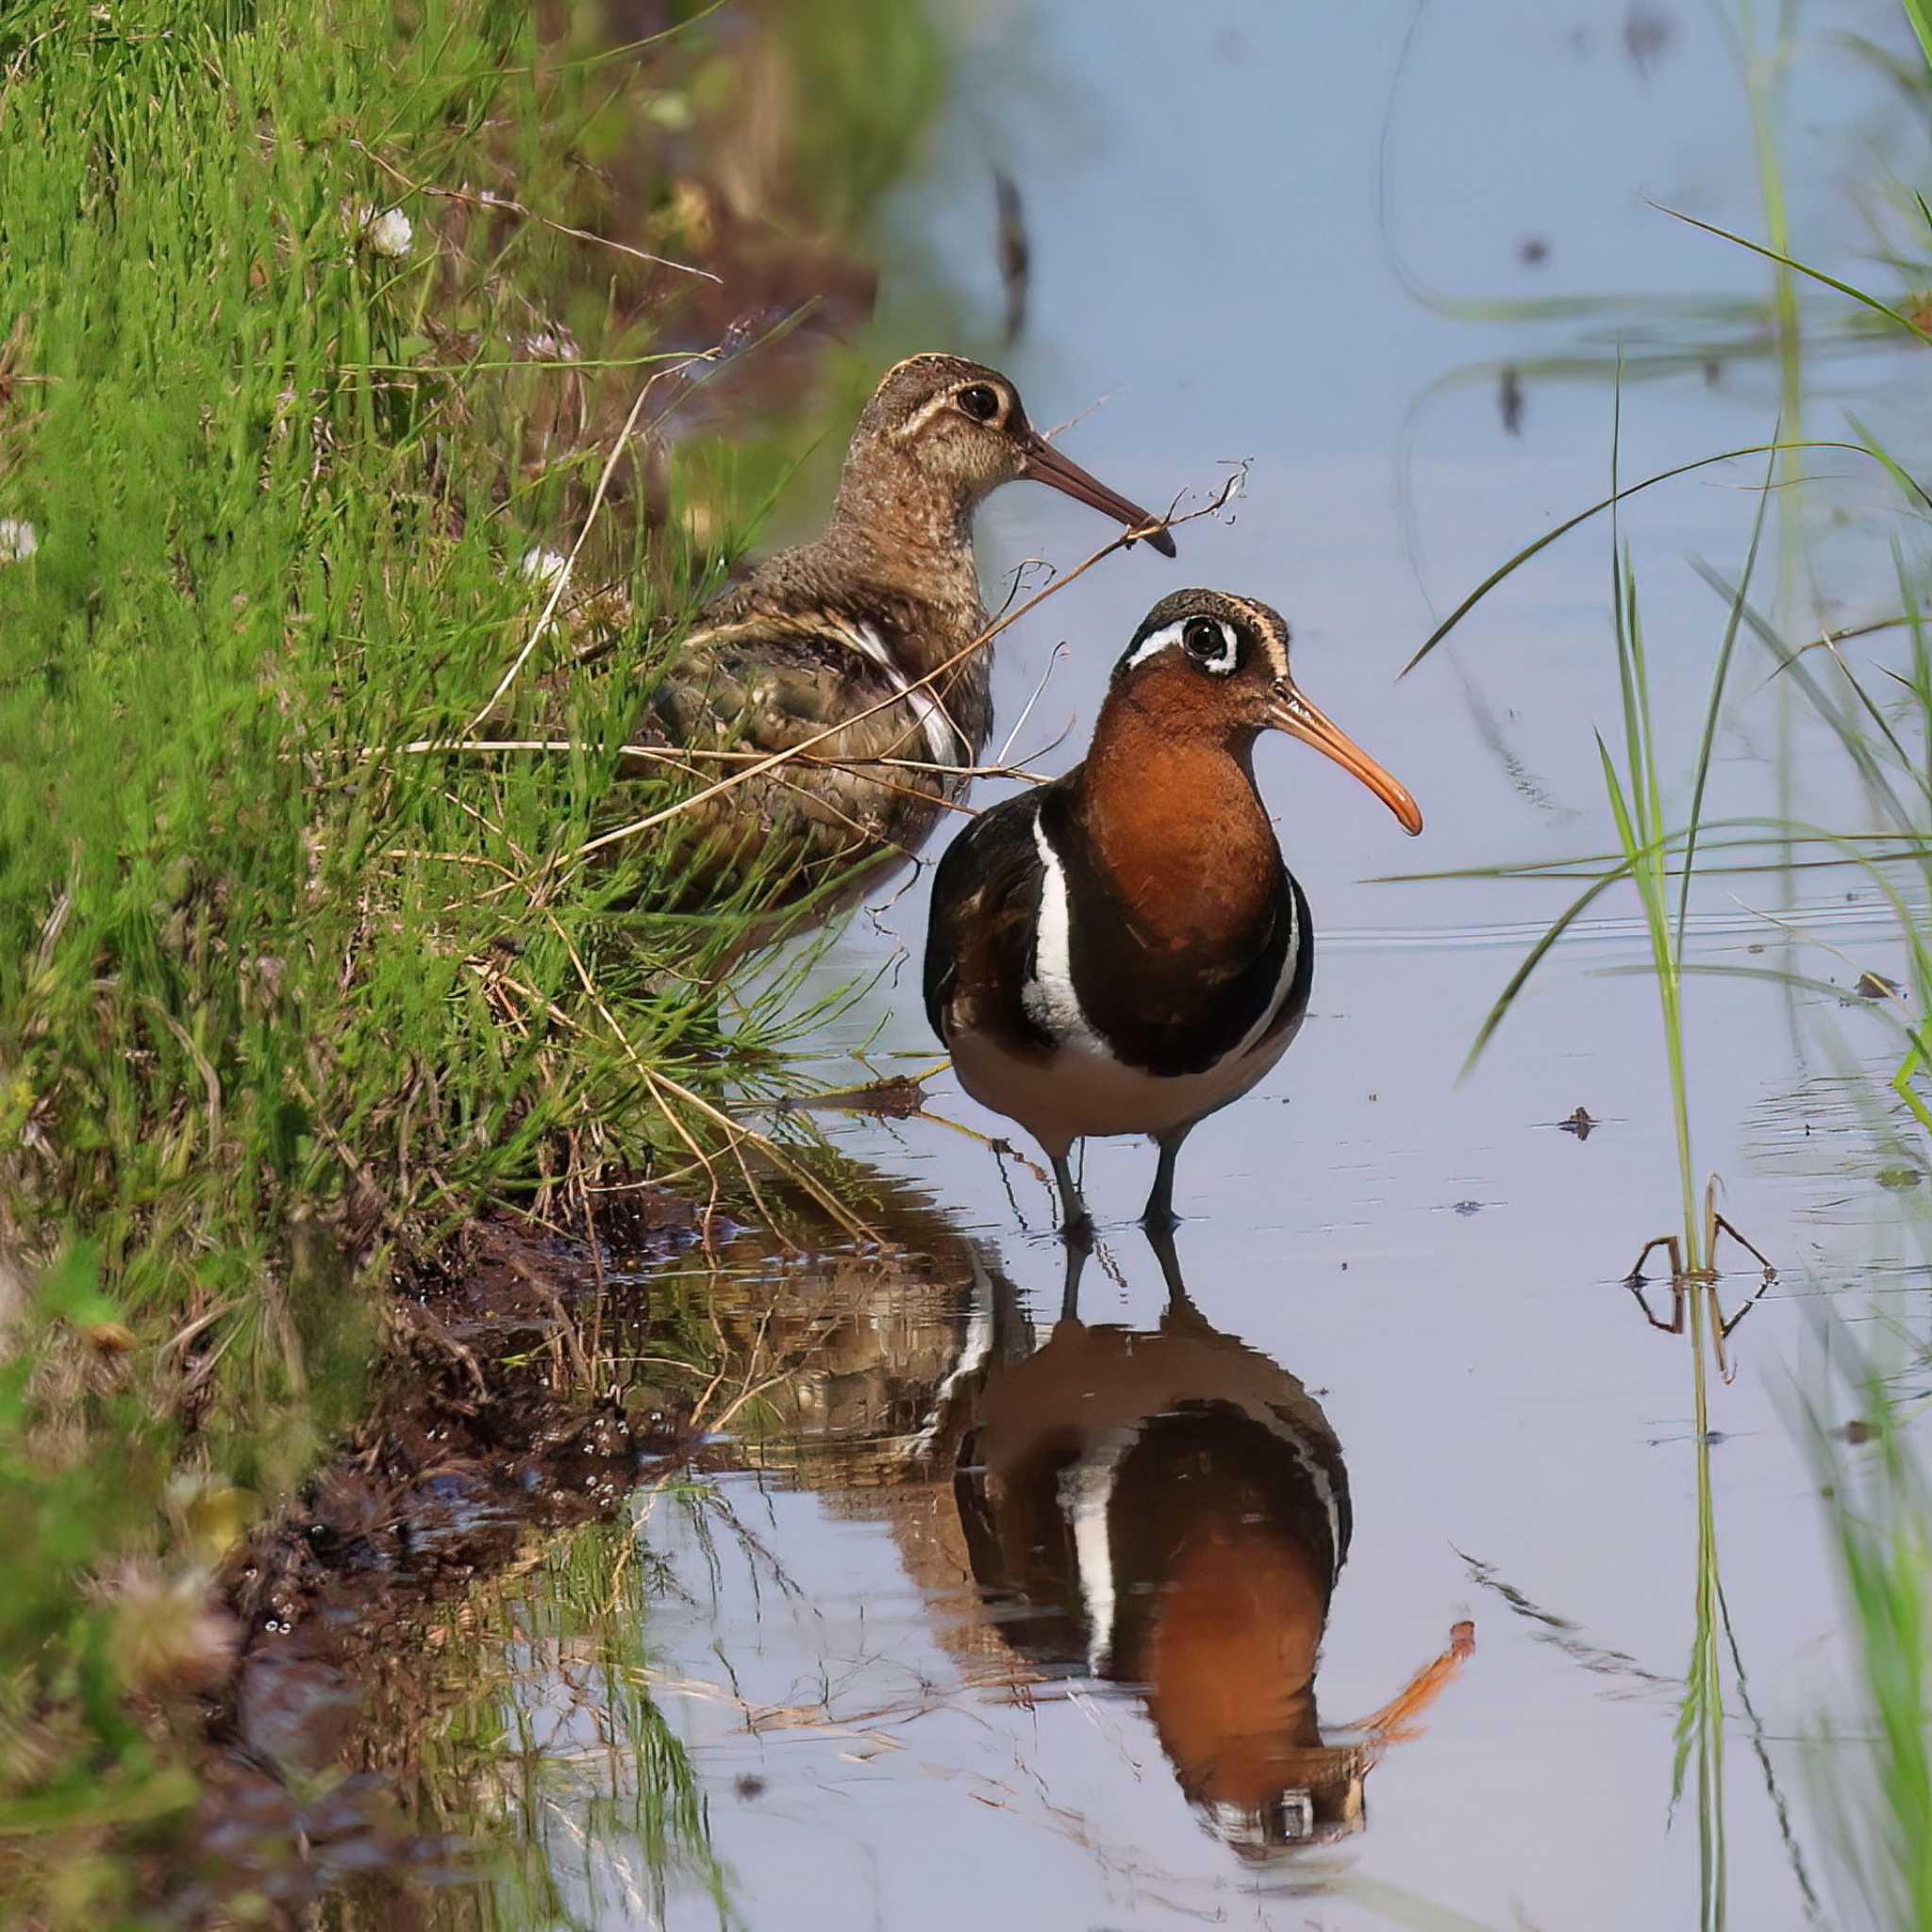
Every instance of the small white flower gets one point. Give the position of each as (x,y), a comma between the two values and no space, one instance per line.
(548,568)
(388,234)
(671,112)
(19,539)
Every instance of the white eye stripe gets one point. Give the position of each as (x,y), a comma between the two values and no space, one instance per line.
(1148,648)
(1273,636)
(1221,665)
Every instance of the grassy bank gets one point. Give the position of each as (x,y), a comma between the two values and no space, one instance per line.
(318,326)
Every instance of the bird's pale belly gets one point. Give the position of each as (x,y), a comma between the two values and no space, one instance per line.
(1073,1092)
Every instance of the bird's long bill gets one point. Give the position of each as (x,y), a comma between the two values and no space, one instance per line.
(1046,464)
(1295,715)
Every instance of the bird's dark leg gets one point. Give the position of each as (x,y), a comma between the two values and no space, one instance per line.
(1159,1213)
(1076,1224)
(1180,1316)
(1070,1289)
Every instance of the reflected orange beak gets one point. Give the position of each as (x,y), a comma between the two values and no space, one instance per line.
(1292,713)
(1046,464)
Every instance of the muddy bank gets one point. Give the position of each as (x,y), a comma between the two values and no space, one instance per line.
(497,1423)
(531,1386)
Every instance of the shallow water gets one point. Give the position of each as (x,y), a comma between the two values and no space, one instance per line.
(1356,1582)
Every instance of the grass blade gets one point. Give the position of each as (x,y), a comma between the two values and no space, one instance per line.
(1514,564)
(1718,674)
(1534,957)
(1920,13)
(1817,275)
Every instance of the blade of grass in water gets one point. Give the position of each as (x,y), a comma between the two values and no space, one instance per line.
(1787,261)
(1637,808)
(1514,564)
(1873,1785)
(1718,677)
(1644,843)
(1700,1717)
(1790,664)
(1919,12)
(1909,486)
(1640,826)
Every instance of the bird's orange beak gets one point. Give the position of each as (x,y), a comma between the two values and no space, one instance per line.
(1043,464)
(1292,713)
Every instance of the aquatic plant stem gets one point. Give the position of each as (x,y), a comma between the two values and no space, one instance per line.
(1703,1691)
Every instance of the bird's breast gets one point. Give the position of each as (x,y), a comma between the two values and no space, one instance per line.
(1168,1004)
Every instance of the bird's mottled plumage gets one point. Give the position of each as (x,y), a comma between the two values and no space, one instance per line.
(836,635)
(1122,951)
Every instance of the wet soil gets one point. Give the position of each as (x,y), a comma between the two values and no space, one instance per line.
(491,1430)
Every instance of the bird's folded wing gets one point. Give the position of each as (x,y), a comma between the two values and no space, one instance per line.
(981,928)
(775,683)
(866,759)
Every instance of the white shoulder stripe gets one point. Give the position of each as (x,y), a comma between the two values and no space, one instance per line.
(1049,997)
(1284,981)
(945,741)
(1085,1490)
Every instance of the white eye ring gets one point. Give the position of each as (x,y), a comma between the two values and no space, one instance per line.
(1176,635)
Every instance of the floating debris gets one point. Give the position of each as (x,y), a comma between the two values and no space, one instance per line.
(1016,252)
(1646,34)
(1874,985)
(898,1098)
(1533,251)
(1509,400)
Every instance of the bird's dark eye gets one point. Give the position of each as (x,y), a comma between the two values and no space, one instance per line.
(1208,642)
(979,402)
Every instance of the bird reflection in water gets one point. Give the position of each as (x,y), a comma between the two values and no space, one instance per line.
(1166,1511)
(1170,1511)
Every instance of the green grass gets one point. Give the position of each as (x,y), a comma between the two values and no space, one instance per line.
(280,1006)
(1872,1770)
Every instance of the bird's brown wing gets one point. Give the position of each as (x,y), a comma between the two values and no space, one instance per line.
(979,941)
(858,797)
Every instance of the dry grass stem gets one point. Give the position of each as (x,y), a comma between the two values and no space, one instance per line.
(505,205)
(791,753)
(560,580)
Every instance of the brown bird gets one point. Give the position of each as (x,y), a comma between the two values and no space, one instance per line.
(1122,951)
(836,635)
